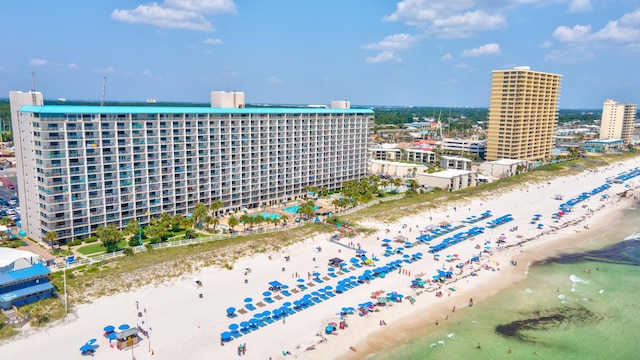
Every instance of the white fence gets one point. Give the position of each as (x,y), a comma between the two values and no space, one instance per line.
(106,256)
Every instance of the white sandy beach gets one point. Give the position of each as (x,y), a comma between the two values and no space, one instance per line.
(186,326)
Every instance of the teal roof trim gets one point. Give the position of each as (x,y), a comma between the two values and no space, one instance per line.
(70,109)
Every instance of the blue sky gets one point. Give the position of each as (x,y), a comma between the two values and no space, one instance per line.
(411,52)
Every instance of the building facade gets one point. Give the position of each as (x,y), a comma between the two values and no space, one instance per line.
(465,146)
(80,167)
(448,180)
(455,162)
(523,112)
(617,121)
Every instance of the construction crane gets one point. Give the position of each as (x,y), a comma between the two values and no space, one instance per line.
(33,89)
(104,90)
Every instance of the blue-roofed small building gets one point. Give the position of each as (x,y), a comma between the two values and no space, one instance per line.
(23,278)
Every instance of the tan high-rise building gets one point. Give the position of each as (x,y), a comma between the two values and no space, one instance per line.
(523,113)
(617,120)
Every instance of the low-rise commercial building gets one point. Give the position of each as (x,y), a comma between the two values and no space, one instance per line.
(448,180)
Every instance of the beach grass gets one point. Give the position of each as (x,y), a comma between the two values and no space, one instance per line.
(87,282)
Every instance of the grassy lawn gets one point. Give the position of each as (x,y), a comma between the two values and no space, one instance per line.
(97,248)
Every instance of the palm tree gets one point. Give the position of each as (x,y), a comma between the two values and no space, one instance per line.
(50,237)
(199,211)
(233,222)
(215,206)
(307,209)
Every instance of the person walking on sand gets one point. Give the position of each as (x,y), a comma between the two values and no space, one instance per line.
(244,348)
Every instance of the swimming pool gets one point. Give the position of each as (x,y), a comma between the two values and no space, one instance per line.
(267,215)
(294,209)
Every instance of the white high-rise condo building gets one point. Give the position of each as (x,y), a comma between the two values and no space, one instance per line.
(617,120)
(80,167)
(523,113)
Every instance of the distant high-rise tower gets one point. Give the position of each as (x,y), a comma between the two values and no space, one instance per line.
(617,120)
(523,112)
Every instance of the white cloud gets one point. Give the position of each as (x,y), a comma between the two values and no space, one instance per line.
(468,23)
(107,70)
(72,66)
(383,56)
(176,14)
(624,30)
(274,80)
(575,34)
(451,18)
(570,55)
(487,49)
(146,72)
(204,6)
(393,42)
(37,62)
(580,6)
(546,44)
(461,66)
(212,41)
(614,32)
(446,57)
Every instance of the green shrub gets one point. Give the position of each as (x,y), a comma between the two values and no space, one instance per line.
(91,239)
(134,241)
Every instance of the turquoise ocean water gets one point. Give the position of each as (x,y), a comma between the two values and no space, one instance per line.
(560,311)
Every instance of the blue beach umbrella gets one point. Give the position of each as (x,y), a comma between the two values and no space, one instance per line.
(300,280)
(331,269)
(92,341)
(248,300)
(112,336)
(109,328)
(266,293)
(86,347)
(231,310)
(233,327)
(225,336)
(123,327)
(286,303)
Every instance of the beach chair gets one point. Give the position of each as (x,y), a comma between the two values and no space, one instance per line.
(286,293)
(268,300)
(250,307)
(302,287)
(333,275)
(318,280)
